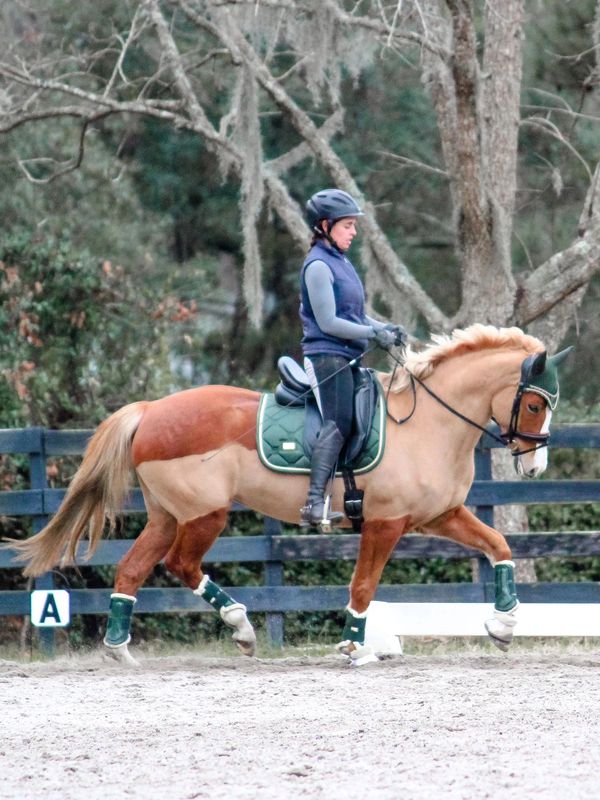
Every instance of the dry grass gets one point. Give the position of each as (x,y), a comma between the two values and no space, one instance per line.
(412,646)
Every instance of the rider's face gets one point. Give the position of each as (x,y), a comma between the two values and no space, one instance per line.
(343,231)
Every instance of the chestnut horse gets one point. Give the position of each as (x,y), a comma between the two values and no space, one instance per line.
(194,453)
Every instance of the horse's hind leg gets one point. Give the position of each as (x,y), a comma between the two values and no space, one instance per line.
(463,527)
(148,549)
(184,560)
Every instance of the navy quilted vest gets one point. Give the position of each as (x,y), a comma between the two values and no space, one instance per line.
(349,302)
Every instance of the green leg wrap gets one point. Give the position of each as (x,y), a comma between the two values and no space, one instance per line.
(119,620)
(506,593)
(213,594)
(354,628)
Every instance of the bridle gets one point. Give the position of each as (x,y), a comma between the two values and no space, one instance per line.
(512,432)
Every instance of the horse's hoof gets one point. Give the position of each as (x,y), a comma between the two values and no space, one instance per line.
(500,628)
(246,646)
(502,643)
(235,617)
(345,648)
(359,654)
(120,653)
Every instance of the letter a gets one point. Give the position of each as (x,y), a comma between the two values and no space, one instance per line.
(50,610)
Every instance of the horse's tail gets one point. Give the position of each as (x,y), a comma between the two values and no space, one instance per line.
(96,494)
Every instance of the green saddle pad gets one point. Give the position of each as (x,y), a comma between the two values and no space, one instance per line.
(280,430)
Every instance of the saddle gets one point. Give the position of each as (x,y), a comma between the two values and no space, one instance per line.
(289,422)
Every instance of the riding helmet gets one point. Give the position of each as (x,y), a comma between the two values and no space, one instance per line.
(331,204)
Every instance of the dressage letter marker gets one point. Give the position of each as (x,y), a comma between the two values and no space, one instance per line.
(50,609)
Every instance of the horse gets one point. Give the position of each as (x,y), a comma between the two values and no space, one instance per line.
(194,453)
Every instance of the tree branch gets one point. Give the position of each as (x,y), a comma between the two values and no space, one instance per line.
(48,113)
(501,89)
(118,68)
(182,81)
(437,78)
(548,127)
(468,148)
(390,31)
(409,162)
(296,155)
(69,166)
(558,278)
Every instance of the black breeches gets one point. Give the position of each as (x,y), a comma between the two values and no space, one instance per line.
(335,390)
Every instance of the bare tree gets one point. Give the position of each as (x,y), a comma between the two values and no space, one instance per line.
(476,98)
(477,101)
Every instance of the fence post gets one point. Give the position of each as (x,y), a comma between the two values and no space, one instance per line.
(483,472)
(273,577)
(37,474)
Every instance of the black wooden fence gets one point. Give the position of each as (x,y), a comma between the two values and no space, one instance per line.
(274,548)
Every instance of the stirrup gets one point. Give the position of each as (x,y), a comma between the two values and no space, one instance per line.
(324,519)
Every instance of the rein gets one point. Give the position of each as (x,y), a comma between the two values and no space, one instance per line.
(413,390)
(505,439)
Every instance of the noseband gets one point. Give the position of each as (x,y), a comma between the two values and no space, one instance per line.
(512,432)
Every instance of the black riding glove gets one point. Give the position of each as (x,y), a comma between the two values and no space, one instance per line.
(399,332)
(385,338)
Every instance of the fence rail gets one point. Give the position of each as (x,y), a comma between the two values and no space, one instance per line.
(273,548)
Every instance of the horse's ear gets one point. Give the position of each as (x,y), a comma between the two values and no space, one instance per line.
(538,364)
(557,359)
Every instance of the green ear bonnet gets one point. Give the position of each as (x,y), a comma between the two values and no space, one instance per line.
(542,375)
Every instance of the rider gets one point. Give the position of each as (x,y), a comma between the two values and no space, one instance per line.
(336,332)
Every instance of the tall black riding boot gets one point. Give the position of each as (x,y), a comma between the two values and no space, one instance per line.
(324,458)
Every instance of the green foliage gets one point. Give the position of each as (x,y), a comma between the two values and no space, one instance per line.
(77,339)
(175,177)
(97,205)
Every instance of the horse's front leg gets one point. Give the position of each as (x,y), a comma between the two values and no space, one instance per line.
(463,527)
(378,539)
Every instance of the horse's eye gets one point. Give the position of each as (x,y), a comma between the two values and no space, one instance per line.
(535,408)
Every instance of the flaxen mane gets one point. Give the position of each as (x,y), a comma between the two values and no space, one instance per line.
(467,340)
